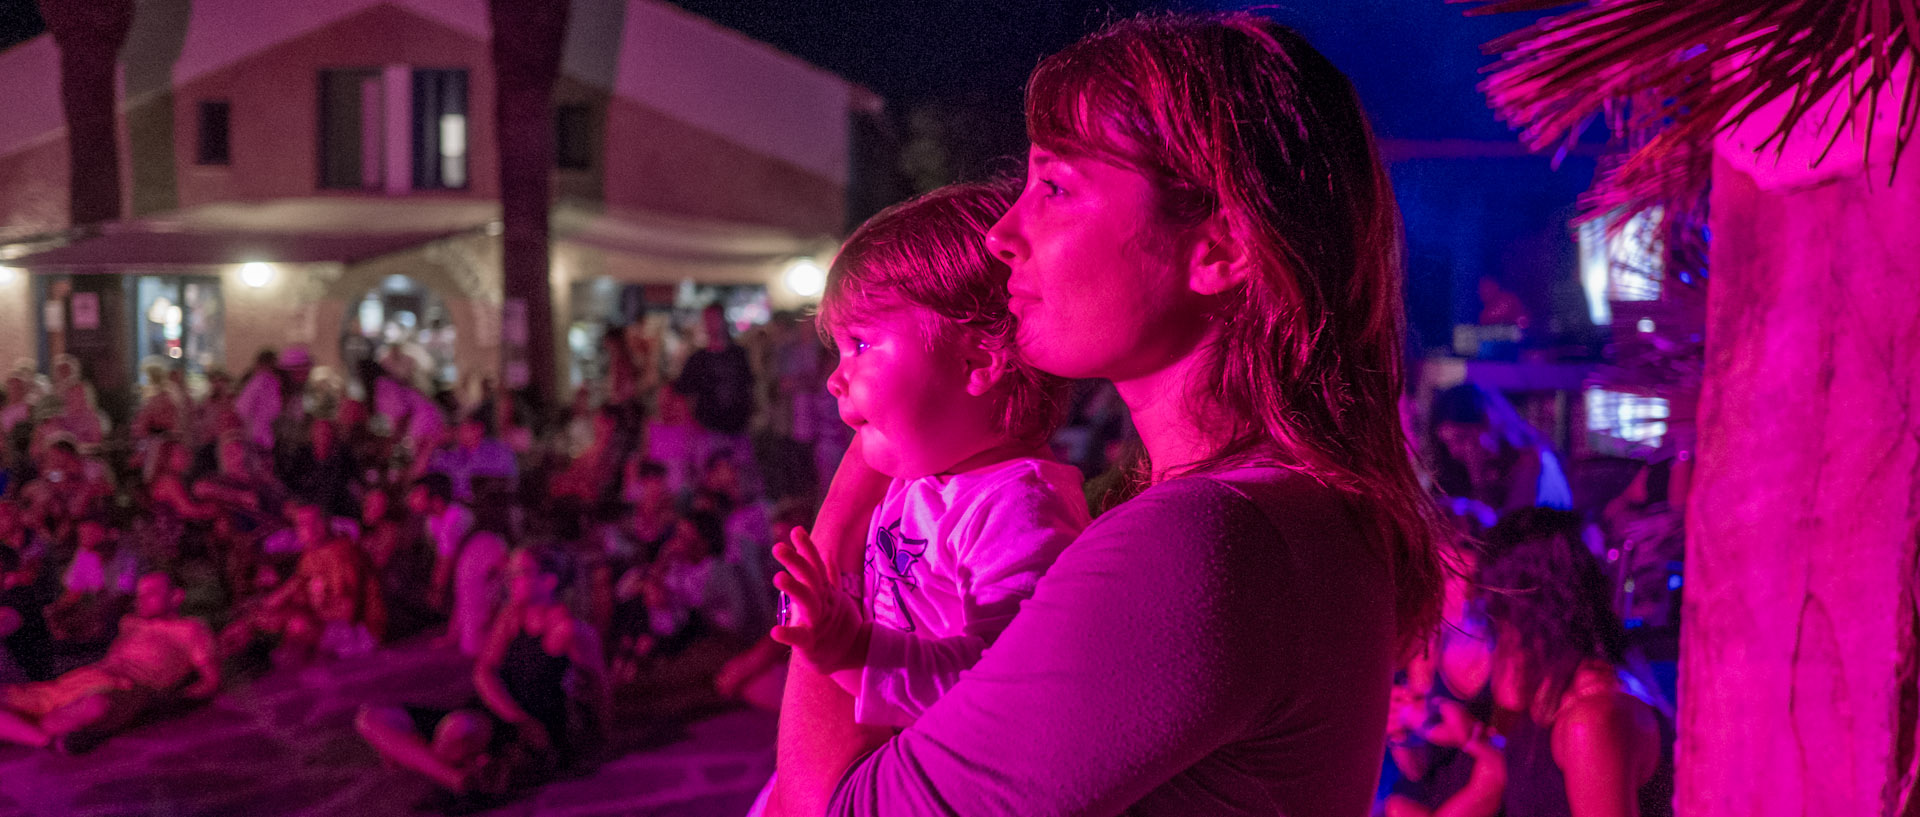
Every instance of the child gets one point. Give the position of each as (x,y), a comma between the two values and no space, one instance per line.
(976,510)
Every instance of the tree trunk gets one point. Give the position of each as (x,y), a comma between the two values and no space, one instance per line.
(89,34)
(1800,674)
(528,36)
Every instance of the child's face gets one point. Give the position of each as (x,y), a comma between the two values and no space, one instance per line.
(907,397)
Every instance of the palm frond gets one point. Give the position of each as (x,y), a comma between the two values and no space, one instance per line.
(1667,76)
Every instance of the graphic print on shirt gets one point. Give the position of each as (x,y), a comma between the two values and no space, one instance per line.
(897,554)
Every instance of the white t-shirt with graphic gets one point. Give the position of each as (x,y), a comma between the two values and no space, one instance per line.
(949,560)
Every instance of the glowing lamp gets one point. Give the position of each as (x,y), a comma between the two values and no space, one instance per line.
(256,274)
(805,278)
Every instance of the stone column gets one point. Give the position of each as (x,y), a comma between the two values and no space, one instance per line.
(1800,675)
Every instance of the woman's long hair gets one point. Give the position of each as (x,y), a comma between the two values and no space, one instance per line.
(1543,586)
(1234,116)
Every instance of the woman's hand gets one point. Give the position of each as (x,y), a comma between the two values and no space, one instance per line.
(826,626)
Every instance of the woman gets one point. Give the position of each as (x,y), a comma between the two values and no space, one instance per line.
(1438,725)
(542,694)
(1206,224)
(1589,738)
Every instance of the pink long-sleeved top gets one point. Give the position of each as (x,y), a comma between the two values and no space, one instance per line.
(1219,645)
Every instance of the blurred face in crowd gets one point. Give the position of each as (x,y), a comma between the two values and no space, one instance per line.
(154,596)
(373,507)
(9,521)
(723,477)
(309,523)
(420,500)
(644,490)
(324,435)
(470,433)
(687,546)
(178,459)
(16,389)
(93,535)
(233,457)
(525,581)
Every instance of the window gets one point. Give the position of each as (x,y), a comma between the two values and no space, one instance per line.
(1623,421)
(439,129)
(351,132)
(573,137)
(215,147)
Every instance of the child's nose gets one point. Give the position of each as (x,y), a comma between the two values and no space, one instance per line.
(837,382)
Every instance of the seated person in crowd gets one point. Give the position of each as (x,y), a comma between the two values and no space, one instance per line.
(664,607)
(26,643)
(320,468)
(652,513)
(97,586)
(542,697)
(448,524)
(758,675)
(401,561)
(330,606)
(67,488)
(149,663)
(247,501)
(477,575)
(475,453)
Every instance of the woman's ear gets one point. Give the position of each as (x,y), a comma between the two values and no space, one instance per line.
(1219,261)
(986,368)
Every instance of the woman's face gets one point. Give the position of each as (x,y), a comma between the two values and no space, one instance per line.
(374,507)
(1100,283)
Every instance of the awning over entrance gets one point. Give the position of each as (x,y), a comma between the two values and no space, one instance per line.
(634,246)
(131,250)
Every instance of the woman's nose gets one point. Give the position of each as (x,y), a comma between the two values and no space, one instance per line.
(1004,239)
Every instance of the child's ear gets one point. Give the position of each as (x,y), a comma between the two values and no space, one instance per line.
(986,368)
(1219,261)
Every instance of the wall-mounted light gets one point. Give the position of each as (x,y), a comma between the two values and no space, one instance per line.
(8,275)
(805,278)
(256,274)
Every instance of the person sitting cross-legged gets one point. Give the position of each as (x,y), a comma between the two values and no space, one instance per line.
(149,663)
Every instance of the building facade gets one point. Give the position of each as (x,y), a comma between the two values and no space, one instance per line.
(326,173)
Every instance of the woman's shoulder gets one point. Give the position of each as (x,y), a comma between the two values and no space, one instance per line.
(1261,493)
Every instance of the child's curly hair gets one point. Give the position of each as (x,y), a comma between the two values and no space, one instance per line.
(930,252)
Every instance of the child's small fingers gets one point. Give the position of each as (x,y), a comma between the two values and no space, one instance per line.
(810,550)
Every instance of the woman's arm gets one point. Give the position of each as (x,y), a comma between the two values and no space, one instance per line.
(818,737)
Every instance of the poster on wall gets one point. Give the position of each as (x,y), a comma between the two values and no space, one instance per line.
(86,310)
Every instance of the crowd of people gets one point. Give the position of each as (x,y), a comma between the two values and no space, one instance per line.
(281,520)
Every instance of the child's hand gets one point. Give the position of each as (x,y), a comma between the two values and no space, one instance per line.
(826,626)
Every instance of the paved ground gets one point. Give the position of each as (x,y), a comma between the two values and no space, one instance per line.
(284,745)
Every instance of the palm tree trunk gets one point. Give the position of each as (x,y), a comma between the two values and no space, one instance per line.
(528,36)
(89,34)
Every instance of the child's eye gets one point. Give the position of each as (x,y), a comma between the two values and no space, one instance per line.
(856,345)
(1053,188)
